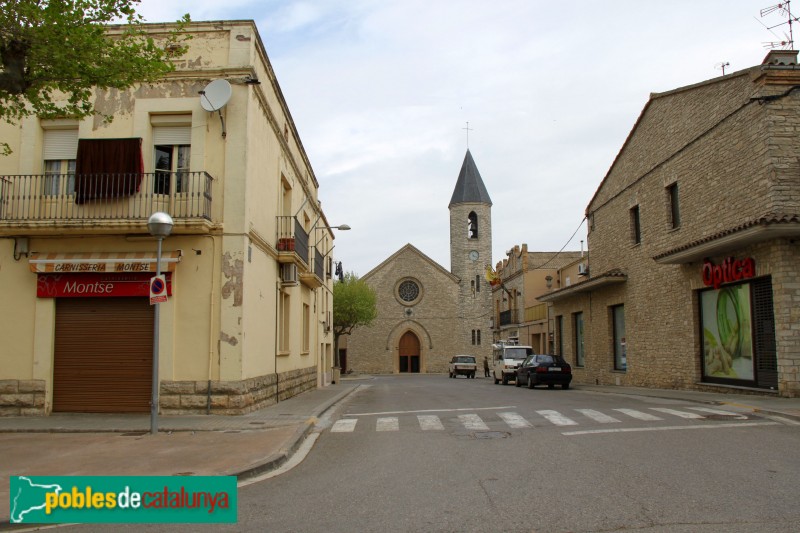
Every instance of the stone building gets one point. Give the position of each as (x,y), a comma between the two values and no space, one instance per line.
(693,233)
(517,313)
(247,263)
(427,314)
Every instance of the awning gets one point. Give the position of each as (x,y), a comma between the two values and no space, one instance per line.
(85,262)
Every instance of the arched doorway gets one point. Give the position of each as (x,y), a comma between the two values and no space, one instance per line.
(409,353)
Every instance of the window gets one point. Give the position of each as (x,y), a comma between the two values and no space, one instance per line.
(620,344)
(476,337)
(408,292)
(636,229)
(579,350)
(60,152)
(478,283)
(674,207)
(172,144)
(171,160)
(283,341)
(472,226)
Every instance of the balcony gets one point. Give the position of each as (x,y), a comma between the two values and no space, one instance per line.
(292,242)
(316,276)
(103,203)
(509,317)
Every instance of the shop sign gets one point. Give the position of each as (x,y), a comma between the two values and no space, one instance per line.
(94,285)
(729,271)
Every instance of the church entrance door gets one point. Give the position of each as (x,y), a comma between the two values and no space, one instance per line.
(409,353)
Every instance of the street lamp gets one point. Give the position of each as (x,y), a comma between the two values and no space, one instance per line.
(160,226)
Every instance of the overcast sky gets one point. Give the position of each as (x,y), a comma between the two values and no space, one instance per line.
(381,91)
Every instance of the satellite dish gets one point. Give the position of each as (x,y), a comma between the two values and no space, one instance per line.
(215,95)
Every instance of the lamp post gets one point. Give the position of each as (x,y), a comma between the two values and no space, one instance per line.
(160,226)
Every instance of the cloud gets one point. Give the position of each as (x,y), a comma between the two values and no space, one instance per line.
(381,91)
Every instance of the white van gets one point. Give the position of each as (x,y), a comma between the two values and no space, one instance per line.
(506,358)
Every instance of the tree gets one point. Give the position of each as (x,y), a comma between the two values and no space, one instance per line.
(354,304)
(54,52)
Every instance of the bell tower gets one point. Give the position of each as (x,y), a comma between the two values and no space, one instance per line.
(470,253)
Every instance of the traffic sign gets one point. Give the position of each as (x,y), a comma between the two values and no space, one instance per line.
(158,289)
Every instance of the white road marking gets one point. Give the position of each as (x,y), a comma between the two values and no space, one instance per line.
(675,412)
(345,425)
(737,416)
(295,459)
(633,413)
(473,422)
(669,428)
(434,411)
(597,416)
(387,424)
(429,422)
(783,420)
(514,420)
(557,418)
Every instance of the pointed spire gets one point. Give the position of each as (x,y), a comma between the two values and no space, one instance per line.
(470,187)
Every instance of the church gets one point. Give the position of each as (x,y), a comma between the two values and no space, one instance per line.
(427,314)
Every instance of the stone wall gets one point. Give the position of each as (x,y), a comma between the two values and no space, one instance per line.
(234,397)
(22,397)
(433,318)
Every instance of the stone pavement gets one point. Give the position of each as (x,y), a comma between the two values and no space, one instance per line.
(242,446)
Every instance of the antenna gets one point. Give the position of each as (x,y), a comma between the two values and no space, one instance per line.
(722,66)
(214,97)
(784,9)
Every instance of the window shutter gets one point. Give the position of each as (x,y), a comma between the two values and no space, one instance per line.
(60,144)
(172,135)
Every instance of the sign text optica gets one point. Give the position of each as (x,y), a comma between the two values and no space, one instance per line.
(729,271)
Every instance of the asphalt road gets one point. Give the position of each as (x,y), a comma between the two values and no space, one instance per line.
(428,453)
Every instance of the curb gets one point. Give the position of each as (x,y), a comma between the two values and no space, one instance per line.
(278,459)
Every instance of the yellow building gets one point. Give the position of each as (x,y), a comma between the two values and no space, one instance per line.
(247,264)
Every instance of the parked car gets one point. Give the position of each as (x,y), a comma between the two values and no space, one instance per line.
(550,370)
(463,365)
(506,359)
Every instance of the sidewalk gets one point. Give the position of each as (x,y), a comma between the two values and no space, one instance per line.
(120,445)
(242,446)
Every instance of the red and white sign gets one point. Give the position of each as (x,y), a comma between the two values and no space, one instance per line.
(96,285)
(158,289)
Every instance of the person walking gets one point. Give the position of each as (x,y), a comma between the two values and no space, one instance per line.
(485,367)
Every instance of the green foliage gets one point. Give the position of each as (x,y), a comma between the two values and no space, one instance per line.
(354,304)
(54,52)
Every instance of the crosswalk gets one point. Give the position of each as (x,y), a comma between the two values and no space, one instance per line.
(513,420)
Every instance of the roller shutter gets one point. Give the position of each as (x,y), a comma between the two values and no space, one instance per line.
(103,355)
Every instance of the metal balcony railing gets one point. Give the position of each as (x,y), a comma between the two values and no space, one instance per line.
(509,317)
(70,197)
(292,237)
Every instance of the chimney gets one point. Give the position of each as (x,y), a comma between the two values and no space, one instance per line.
(781,58)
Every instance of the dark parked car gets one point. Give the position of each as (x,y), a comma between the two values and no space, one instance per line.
(551,370)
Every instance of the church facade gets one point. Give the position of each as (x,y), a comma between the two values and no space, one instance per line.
(427,314)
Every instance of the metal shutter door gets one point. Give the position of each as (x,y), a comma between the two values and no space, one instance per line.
(103,355)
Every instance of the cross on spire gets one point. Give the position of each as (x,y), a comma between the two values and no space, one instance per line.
(468,130)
